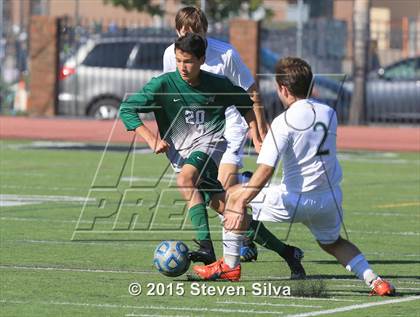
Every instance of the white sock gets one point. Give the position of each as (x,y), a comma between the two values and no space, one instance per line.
(232,243)
(359,266)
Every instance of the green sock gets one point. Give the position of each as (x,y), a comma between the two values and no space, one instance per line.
(260,234)
(200,221)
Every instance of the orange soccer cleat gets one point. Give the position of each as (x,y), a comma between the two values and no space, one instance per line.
(218,270)
(382,288)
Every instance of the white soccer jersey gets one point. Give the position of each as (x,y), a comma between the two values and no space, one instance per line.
(299,136)
(221,58)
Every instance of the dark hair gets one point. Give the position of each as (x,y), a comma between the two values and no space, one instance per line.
(191,18)
(191,43)
(295,74)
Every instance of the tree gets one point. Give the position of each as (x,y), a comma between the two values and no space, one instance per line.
(138,5)
(219,10)
(216,10)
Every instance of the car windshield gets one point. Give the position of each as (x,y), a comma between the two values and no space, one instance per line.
(404,70)
(149,56)
(113,55)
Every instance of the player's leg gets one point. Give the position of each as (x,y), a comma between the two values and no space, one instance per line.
(249,251)
(228,267)
(236,130)
(228,175)
(235,134)
(349,256)
(325,221)
(258,232)
(187,181)
(255,230)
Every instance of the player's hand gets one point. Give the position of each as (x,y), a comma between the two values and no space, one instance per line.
(161,147)
(234,218)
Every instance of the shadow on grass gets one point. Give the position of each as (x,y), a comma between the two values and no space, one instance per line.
(370,261)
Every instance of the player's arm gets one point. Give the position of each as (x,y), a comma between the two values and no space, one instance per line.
(258,111)
(273,146)
(240,75)
(144,101)
(153,140)
(235,211)
(253,129)
(245,194)
(242,101)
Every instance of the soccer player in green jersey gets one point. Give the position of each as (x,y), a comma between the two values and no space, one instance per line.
(189,106)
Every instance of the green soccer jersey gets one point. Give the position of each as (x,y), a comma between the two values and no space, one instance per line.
(189,118)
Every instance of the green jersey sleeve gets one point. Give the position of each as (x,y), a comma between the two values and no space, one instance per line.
(146,100)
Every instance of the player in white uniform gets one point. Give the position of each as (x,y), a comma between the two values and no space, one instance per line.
(223,59)
(304,138)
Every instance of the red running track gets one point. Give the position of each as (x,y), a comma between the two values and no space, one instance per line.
(404,139)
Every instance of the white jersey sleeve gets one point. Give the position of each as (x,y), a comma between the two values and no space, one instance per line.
(237,71)
(275,143)
(169,62)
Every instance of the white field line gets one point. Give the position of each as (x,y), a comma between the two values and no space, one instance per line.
(148,315)
(215,231)
(266,304)
(300,228)
(409,282)
(382,214)
(43,198)
(404,233)
(356,306)
(311,298)
(40,268)
(118,244)
(43,188)
(15,200)
(83,232)
(359,286)
(402,204)
(355,282)
(40,220)
(149,307)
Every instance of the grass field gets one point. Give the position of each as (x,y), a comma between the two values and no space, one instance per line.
(59,261)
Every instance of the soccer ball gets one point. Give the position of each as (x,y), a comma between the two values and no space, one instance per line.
(171,258)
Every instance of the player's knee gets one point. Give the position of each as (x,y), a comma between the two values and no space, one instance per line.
(184,181)
(330,248)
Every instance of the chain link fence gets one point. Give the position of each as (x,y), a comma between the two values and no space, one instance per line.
(101,60)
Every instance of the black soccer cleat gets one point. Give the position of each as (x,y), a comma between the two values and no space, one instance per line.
(293,257)
(205,252)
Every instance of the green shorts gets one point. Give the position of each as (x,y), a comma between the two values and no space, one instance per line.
(208,184)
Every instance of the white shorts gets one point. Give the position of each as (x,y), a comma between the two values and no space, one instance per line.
(236,130)
(321,212)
